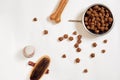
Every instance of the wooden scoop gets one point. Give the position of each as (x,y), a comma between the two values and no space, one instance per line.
(56,16)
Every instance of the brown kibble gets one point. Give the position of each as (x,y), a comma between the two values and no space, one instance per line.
(70,38)
(75,33)
(94,44)
(60,38)
(88,12)
(86,23)
(88,27)
(47,71)
(86,18)
(34,19)
(79,41)
(76,45)
(79,36)
(97,31)
(85,71)
(78,49)
(31,63)
(103,51)
(110,19)
(77,60)
(96,7)
(105,41)
(65,36)
(45,32)
(92,55)
(63,56)
(106,28)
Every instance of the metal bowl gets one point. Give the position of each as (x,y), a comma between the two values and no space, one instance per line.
(93,33)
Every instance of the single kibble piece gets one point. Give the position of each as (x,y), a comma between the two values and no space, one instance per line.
(45,32)
(94,44)
(65,36)
(77,60)
(79,41)
(79,36)
(85,71)
(103,51)
(34,19)
(31,63)
(47,71)
(75,33)
(92,55)
(63,56)
(60,38)
(78,49)
(76,45)
(70,38)
(105,41)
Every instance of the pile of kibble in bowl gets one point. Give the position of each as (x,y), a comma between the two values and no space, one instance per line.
(98,19)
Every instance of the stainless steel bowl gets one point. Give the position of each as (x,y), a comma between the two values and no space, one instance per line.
(88,29)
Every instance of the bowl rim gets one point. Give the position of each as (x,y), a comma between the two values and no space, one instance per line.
(89,30)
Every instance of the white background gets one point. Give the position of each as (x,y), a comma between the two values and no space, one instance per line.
(17,30)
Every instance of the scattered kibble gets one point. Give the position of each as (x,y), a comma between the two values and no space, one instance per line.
(64,56)
(60,38)
(92,55)
(105,41)
(75,33)
(45,32)
(79,41)
(77,60)
(103,51)
(35,19)
(65,36)
(76,45)
(94,44)
(78,50)
(70,38)
(79,37)
(85,71)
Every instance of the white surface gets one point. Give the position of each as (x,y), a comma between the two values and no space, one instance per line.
(17,30)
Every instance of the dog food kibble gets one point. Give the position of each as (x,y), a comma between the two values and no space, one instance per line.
(35,19)
(76,45)
(70,38)
(79,36)
(105,41)
(31,63)
(45,32)
(65,36)
(94,44)
(79,41)
(77,60)
(63,56)
(60,38)
(103,51)
(78,50)
(98,19)
(85,71)
(47,71)
(92,55)
(75,33)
